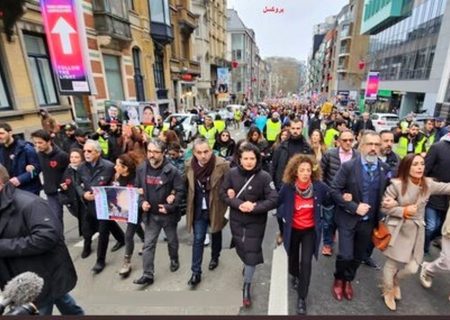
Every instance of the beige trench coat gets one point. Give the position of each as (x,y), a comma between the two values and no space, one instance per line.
(408,235)
(446,225)
(217,207)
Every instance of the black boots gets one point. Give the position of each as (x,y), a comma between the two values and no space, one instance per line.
(194,280)
(86,249)
(246,298)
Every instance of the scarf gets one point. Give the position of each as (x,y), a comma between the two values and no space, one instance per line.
(304,189)
(202,174)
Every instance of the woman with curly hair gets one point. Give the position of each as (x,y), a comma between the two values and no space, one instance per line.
(300,200)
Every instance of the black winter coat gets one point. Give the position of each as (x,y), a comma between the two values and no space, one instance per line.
(331,163)
(280,159)
(247,229)
(31,239)
(72,198)
(437,166)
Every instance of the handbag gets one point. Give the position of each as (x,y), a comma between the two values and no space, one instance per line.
(227,212)
(381,236)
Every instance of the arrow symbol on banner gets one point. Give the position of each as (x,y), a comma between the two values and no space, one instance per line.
(64,29)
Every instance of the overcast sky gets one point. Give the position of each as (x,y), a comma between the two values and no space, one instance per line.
(288,34)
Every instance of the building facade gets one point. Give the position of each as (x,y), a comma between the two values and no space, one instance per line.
(409,48)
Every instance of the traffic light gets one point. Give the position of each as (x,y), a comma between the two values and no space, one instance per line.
(10,12)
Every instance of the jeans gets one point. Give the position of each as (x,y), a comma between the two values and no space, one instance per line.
(301,268)
(433,223)
(153,227)
(65,304)
(329,226)
(200,230)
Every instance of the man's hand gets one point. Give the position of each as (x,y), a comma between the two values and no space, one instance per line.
(362,209)
(347,197)
(29,168)
(63,186)
(146,206)
(231,194)
(162,209)
(15,181)
(89,196)
(389,202)
(170,198)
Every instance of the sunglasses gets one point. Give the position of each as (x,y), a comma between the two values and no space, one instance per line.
(88,151)
(347,140)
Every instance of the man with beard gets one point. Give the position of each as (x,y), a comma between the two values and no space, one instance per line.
(53,162)
(365,177)
(430,133)
(204,175)
(68,137)
(294,145)
(163,190)
(411,142)
(17,156)
(387,155)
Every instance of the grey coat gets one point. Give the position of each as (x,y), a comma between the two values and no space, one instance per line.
(408,235)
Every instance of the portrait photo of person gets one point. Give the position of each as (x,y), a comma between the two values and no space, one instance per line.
(147,114)
(113,113)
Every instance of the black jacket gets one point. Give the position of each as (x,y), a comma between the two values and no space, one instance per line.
(247,229)
(314,124)
(437,164)
(349,180)
(281,157)
(53,166)
(361,125)
(72,198)
(31,239)
(171,182)
(331,163)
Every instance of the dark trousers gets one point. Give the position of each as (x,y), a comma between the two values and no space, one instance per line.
(353,244)
(200,230)
(153,225)
(104,228)
(56,207)
(131,230)
(301,268)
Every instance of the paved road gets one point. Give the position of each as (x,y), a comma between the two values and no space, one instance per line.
(220,290)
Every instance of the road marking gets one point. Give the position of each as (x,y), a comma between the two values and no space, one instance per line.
(80,244)
(278,295)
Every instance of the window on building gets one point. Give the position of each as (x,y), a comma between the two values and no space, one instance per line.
(130,5)
(119,8)
(41,70)
(113,74)
(158,69)
(159,11)
(138,78)
(5,102)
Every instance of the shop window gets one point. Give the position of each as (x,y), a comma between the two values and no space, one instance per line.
(113,74)
(41,70)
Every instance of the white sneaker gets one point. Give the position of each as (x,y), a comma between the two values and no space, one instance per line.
(425,279)
(206,243)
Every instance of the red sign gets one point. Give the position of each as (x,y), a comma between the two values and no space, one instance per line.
(63,38)
(186,77)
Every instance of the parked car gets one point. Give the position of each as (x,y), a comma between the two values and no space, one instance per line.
(189,121)
(384,121)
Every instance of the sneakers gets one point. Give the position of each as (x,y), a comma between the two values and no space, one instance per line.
(425,279)
(327,250)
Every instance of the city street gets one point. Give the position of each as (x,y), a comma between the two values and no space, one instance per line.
(219,293)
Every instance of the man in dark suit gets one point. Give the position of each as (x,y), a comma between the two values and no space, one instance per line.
(365,177)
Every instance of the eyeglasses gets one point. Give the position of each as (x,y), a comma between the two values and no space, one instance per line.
(225,135)
(347,140)
(88,151)
(154,151)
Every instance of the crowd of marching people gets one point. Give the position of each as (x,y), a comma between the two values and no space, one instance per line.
(329,179)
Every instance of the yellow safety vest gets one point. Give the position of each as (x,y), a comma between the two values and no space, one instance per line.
(237,115)
(208,134)
(430,141)
(148,129)
(166,126)
(329,138)
(273,129)
(402,146)
(104,145)
(220,125)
